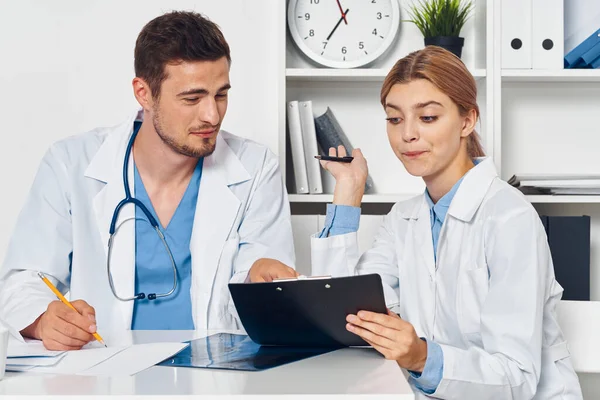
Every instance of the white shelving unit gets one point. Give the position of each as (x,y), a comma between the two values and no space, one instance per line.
(394,198)
(368,198)
(353,96)
(544,199)
(567,75)
(338,75)
(348,75)
(532,121)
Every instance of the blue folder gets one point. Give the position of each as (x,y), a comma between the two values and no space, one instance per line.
(592,54)
(574,58)
(238,352)
(595,63)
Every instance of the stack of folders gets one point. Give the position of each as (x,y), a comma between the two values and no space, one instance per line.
(310,136)
(557,184)
(532,34)
(23,358)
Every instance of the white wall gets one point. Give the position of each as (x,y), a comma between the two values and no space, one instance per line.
(67,65)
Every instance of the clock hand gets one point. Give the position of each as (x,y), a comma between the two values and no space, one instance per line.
(338,23)
(342,11)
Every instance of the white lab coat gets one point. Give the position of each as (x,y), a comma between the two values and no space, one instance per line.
(242,214)
(490,299)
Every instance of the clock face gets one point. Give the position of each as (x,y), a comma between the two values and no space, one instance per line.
(343,33)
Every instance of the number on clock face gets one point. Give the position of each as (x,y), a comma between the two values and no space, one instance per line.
(343,33)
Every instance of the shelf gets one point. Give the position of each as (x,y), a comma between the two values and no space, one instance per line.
(343,75)
(368,198)
(565,75)
(394,198)
(563,199)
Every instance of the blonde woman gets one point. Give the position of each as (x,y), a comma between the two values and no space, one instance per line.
(466,265)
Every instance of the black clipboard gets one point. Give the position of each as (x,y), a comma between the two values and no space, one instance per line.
(306,312)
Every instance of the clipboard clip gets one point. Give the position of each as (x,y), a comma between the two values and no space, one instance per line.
(302,278)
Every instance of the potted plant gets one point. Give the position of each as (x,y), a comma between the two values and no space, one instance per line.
(440,22)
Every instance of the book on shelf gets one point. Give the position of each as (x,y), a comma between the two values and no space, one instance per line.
(309,139)
(310,136)
(297,147)
(303,148)
(569,242)
(557,184)
(330,134)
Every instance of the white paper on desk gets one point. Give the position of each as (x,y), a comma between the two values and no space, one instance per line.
(77,361)
(135,359)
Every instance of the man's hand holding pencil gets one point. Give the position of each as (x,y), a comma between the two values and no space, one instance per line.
(64,325)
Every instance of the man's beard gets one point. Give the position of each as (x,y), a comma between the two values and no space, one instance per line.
(205,150)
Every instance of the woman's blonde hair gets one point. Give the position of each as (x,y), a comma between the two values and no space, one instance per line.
(448,73)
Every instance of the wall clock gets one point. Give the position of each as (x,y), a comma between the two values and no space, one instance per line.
(343,33)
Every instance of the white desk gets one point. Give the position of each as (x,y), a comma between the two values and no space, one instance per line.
(334,375)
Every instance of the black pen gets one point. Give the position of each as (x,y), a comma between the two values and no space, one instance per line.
(346,159)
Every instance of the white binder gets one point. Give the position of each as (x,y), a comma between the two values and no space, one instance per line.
(309,138)
(548,34)
(297,146)
(516,34)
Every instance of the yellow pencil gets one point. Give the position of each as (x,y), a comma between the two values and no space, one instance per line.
(62,298)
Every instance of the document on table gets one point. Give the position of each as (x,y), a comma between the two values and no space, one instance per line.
(78,361)
(135,359)
(32,348)
(92,359)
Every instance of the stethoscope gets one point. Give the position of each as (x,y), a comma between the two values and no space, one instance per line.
(113,229)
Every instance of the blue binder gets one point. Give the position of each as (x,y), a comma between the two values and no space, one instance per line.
(573,58)
(592,54)
(595,63)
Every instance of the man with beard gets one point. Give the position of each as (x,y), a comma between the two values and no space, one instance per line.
(146,223)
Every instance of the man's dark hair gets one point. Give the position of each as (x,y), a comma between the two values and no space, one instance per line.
(176,37)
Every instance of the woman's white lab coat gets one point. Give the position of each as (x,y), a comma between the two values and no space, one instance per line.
(490,299)
(242,214)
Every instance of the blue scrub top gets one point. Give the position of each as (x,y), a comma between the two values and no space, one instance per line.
(153,270)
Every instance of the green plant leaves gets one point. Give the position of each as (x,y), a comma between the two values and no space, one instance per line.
(440,17)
